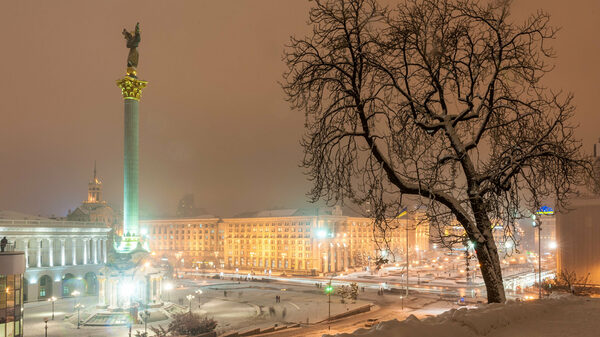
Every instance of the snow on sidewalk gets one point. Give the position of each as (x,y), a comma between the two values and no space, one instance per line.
(564,316)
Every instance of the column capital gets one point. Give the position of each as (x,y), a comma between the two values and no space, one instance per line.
(131,87)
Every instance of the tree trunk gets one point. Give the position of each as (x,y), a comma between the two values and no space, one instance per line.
(490,267)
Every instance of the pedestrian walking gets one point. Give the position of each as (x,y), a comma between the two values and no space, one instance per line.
(225,293)
(3,243)
(283,313)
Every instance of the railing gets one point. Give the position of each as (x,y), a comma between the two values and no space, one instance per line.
(50,223)
(10,247)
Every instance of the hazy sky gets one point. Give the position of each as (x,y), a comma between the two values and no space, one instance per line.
(213,120)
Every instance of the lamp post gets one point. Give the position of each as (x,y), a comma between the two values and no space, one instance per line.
(52,300)
(198,292)
(46,327)
(145,316)
(168,288)
(75,294)
(538,223)
(78,306)
(328,291)
(190,297)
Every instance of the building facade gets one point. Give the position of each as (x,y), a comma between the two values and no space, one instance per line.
(548,244)
(12,268)
(296,240)
(60,256)
(185,242)
(577,237)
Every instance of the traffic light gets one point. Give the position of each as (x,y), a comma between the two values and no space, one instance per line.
(328,289)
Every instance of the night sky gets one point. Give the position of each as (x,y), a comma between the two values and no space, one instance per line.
(213,119)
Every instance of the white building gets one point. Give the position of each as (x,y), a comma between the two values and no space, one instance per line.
(60,256)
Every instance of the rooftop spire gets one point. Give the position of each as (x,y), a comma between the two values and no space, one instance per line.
(94,170)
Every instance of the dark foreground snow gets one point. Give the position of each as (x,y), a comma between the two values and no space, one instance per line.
(564,316)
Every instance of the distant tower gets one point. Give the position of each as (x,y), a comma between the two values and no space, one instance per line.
(94,189)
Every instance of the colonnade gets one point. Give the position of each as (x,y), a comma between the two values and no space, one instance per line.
(336,258)
(62,251)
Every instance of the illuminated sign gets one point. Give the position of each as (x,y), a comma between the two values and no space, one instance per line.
(545,210)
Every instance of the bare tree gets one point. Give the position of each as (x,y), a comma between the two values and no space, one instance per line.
(438,101)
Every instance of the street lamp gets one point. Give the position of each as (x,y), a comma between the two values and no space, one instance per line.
(538,223)
(75,294)
(168,288)
(198,292)
(52,299)
(190,297)
(145,315)
(79,306)
(328,291)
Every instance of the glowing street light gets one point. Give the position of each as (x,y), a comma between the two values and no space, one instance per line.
(190,297)
(168,287)
(198,292)
(52,299)
(321,234)
(75,294)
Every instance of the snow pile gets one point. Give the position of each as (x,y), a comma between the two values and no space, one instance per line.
(558,316)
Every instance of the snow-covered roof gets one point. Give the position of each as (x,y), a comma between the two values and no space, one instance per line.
(13,215)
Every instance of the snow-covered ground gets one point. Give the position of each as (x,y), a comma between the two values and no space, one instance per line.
(554,317)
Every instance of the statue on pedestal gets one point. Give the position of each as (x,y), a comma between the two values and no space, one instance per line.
(133,40)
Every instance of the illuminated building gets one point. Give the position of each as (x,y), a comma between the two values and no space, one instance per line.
(453,236)
(548,232)
(60,256)
(296,240)
(578,237)
(185,242)
(12,268)
(578,233)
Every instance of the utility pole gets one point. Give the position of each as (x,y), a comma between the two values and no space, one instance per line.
(329,290)
(467,263)
(407,258)
(537,222)
(539,226)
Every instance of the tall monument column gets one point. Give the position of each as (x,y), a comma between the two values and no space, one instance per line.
(131,88)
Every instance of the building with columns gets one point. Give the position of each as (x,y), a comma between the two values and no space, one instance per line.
(185,242)
(300,241)
(60,256)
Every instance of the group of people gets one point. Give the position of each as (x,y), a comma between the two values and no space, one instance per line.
(277,299)
(272,312)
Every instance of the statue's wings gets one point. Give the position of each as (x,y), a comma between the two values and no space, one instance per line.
(127,34)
